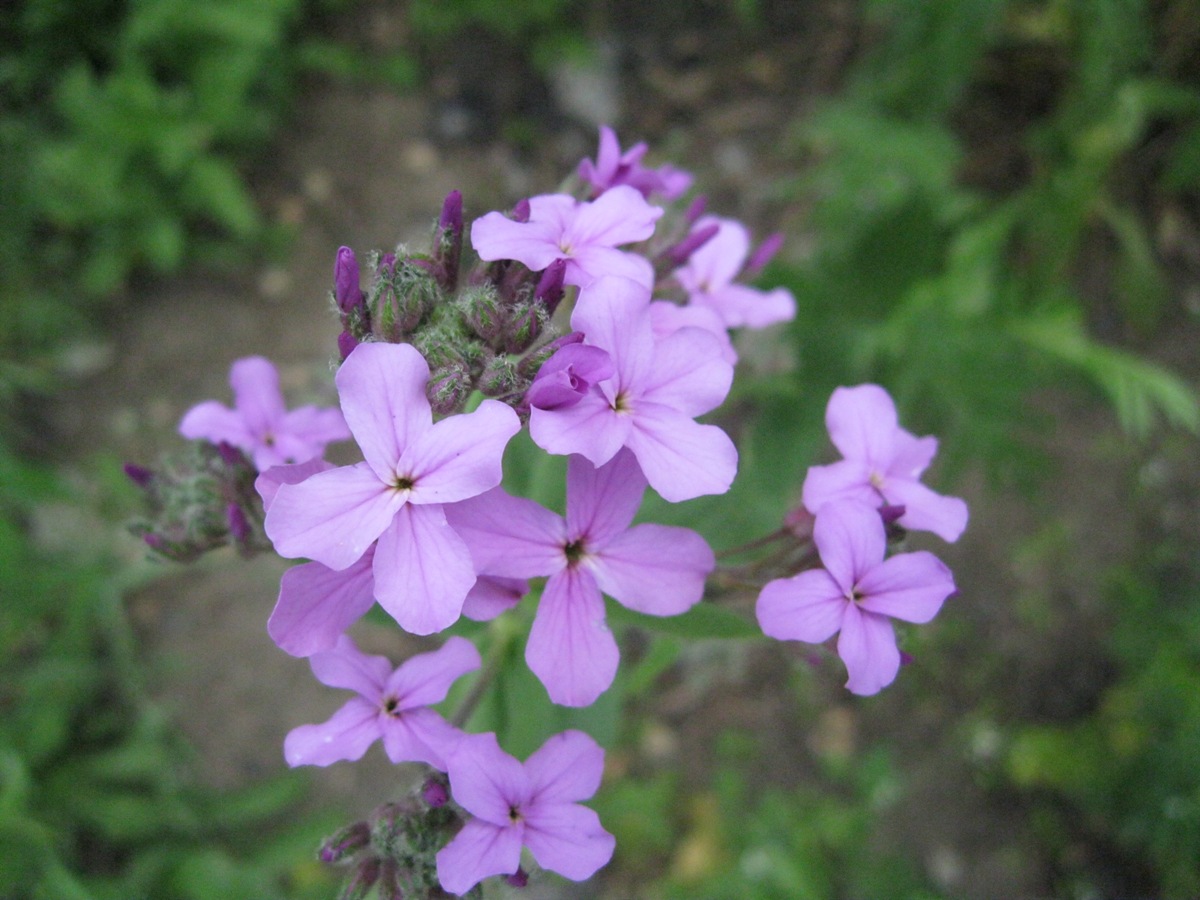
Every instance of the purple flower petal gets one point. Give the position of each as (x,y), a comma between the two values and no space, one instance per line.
(590,427)
(346,736)
(382,390)
(565,769)
(216,422)
(614,314)
(568,839)
(418,735)
(911,455)
(667,318)
(909,586)
(332,517)
(588,264)
(601,502)
(719,260)
(867,646)
(509,536)
(655,569)
(862,424)
(490,596)
(620,215)
(533,243)
(316,426)
(256,395)
(460,456)
(423,570)
(851,540)
(807,607)
(478,851)
(740,306)
(486,781)
(681,458)
(925,510)
(345,666)
(317,604)
(690,373)
(426,678)
(848,479)
(268,482)
(570,648)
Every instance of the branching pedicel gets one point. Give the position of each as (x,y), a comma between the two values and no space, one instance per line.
(422,527)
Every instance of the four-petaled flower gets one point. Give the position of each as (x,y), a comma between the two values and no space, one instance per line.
(535,805)
(391,704)
(612,168)
(422,569)
(855,594)
(882,464)
(586,235)
(260,424)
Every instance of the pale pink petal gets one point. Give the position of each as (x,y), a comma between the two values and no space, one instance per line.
(553,210)
(851,540)
(490,596)
(346,736)
(867,645)
(268,482)
(317,604)
(689,373)
(862,424)
(620,215)
(571,649)
(568,839)
(740,306)
(608,156)
(347,667)
(668,318)
(480,850)
(509,536)
(681,458)
(565,769)
(925,510)
(659,570)
(848,479)
(806,607)
(533,243)
(719,259)
(912,455)
(382,390)
(486,781)
(423,570)
(425,679)
(460,456)
(589,263)
(601,502)
(909,586)
(315,426)
(256,394)
(591,427)
(216,422)
(332,517)
(614,314)
(418,735)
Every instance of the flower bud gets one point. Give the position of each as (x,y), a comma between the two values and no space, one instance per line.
(362,880)
(499,378)
(762,255)
(447,244)
(435,792)
(139,475)
(340,846)
(346,343)
(549,290)
(695,209)
(681,252)
(346,289)
(517,879)
(520,212)
(448,388)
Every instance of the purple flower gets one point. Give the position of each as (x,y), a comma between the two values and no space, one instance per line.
(566,376)
(392,705)
(586,235)
(259,424)
(882,464)
(650,402)
(709,273)
(856,594)
(535,805)
(612,168)
(654,569)
(422,569)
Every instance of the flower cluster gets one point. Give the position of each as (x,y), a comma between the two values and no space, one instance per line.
(597,320)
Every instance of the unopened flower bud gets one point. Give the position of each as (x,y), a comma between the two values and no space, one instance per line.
(891,513)
(435,792)
(231,455)
(499,378)
(549,290)
(680,253)
(695,209)
(525,323)
(346,343)
(346,290)
(363,880)
(239,526)
(517,879)
(520,212)
(447,245)
(762,255)
(340,846)
(139,475)
(531,364)
(448,388)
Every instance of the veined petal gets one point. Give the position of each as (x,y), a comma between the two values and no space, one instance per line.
(425,679)
(509,536)
(806,607)
(565,769)
(667,318)
(333,516)
(690,373)
(317,604)
(681,458)
(423,570)
(862,424)
(382,390)
(601,502)
(568,839)
(570,648)
(588,264)
(614,314)
(486,781)
(347,667)
(419,735)
(256,395)
(590,427)
(851,540)
(926,510)
(268,481)
(216,422)
(867,646)
(346,736)
(659,570)
(620,215)
(460,456)
(490,596)
(908,586)
(478,851)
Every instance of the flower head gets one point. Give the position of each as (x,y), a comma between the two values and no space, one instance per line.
(856,594)
(534,805)
(259,423)
(882,466)
(613,168)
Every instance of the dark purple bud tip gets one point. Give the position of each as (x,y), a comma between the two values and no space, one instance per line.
(905,658)
(239,526)
(696,209)
(139,475)
(452,212)
(549,291)
(346,288)
(230,455)
(682,252)
(763,254)
(891,514)
(517,879)
(434,793)
(344,843)
(154,541)
(346,344)
(520,212)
